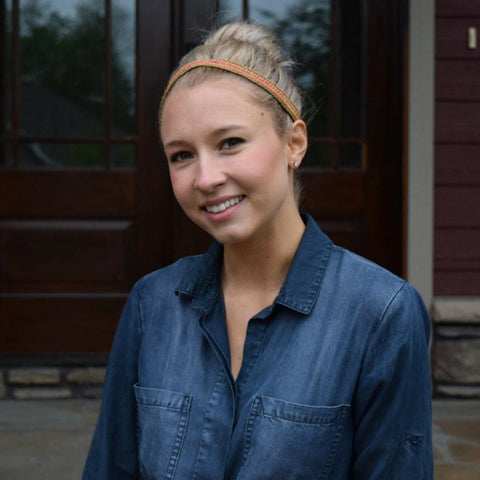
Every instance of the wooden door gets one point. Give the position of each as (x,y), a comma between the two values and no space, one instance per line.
(85,202)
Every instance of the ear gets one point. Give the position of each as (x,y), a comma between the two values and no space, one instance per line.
(297,139)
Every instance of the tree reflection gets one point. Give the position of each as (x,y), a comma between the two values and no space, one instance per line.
(304,30)
(68,55)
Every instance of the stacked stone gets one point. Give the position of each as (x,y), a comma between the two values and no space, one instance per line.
(456,348)
(48,383)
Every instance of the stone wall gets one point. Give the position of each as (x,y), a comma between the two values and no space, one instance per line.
(42,383)
(456,347)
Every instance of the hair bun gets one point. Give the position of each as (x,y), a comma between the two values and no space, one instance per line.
(253,46)
(256,36)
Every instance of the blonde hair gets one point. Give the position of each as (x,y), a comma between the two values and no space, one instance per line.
(254,47)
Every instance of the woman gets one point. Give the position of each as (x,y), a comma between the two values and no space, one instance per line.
(275,355)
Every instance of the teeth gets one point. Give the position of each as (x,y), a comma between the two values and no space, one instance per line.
(223,206)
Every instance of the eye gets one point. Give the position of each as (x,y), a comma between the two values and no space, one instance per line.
(231,143)
(180,157)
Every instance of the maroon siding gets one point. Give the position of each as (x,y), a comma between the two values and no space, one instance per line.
(457,151)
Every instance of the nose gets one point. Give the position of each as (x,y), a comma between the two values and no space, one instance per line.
(209,174)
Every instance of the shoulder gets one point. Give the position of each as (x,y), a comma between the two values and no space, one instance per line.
(363,275)
(165,280)
(372,288)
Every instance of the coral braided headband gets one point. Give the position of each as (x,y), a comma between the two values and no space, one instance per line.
(258,79)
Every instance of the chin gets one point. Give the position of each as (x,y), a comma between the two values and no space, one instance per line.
(227,236)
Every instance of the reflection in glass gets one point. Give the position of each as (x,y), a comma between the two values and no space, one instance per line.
(123,66)
(351,157)
(5,67)
(305,30)
(58,155)
(230,11)
(123,156)
(318,155)
(62,58)
(326,38)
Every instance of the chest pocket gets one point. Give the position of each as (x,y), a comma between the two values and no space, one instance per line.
(286,440)
(162,418)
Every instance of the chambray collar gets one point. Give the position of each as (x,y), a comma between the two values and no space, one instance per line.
(298,292)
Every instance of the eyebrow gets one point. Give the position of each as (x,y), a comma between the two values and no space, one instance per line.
(215,133)
(174,143)
(227,129)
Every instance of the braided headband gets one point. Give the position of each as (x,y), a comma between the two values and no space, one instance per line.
(258,79)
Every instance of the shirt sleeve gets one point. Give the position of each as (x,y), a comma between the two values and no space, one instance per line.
(113,451)
(392,407)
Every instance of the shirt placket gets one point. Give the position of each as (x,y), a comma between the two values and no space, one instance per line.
(219,413)
(252,350)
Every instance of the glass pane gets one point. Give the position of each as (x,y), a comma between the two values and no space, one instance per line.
(58,155)
(230,11)
(198,20)
(351,157)
(123,67)
(318,156)
(305,30)
(351,60)
(6,66)
(123,156)
(62,57)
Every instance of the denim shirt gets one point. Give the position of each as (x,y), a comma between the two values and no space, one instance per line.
(334,383)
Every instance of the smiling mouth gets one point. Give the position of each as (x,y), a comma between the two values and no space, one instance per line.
(224,205)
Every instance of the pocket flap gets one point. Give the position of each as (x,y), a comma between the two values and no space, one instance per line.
(156,397)
(297,412)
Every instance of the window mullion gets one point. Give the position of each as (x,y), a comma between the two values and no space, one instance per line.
(15,82)
(336,95)
(246,10)
(108,84)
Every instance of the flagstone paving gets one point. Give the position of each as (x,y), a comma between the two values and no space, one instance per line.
(48,440)
(456,435)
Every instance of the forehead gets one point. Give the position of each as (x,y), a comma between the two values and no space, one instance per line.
(211,102)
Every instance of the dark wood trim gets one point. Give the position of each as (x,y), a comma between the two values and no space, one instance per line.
(87,255)
(43,317)
(387,31)
(96,140)
(337,192)
(53,359)
(67,194)
(153,204)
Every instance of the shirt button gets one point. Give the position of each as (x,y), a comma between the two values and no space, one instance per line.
(416,439)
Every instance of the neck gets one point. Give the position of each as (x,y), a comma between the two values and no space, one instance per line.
(262,265)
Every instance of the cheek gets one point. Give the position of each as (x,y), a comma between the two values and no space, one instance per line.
(273,163)
(180,187)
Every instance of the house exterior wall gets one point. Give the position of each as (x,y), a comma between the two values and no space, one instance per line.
(457,149)
(456,309)
(443,186)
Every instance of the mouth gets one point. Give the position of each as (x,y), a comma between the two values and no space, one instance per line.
(221,207)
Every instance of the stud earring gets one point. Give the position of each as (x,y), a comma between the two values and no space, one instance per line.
(295,164)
